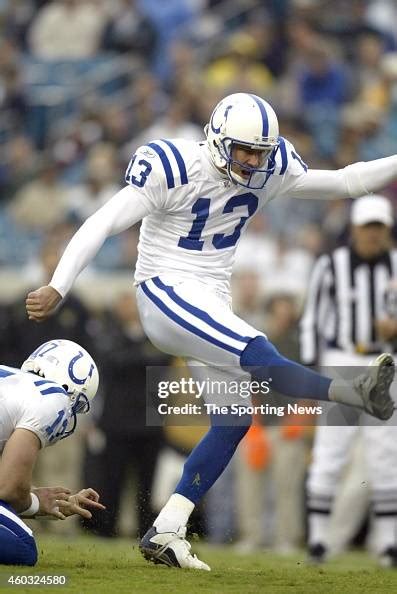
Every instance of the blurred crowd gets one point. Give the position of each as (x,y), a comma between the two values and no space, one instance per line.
(83,83)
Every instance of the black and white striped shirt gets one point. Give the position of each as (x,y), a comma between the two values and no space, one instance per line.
(346,295)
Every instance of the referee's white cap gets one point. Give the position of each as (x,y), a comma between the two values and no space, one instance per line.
(372,209)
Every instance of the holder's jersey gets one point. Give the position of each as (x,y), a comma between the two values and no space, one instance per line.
(197,215)
(28,401)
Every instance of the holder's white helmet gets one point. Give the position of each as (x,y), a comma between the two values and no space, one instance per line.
(249,121)
(68,364)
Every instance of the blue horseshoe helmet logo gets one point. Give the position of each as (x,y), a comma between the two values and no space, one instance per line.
(217,130)
(72,376)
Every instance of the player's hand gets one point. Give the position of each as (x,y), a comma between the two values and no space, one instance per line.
(42,303)
(80,503)
(50,498)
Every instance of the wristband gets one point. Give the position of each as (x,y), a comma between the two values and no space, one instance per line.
(33,508)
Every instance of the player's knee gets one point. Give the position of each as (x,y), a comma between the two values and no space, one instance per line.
(259,352)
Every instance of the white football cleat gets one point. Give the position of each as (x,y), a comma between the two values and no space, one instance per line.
(373,387)
(170,548)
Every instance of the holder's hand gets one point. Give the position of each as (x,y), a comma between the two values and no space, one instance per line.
(80,503)
(50,498)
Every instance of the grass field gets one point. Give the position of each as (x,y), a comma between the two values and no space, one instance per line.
(115,566)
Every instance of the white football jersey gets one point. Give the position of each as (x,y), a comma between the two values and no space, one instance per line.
(28,401)
(196,214)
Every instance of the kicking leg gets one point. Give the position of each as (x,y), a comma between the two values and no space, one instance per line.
(369,391)
(192,321)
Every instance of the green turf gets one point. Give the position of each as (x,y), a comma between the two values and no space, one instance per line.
(115,566)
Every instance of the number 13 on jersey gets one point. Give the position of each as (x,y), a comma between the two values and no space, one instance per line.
(201,208)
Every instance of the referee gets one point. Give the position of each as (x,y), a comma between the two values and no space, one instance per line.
(348,319)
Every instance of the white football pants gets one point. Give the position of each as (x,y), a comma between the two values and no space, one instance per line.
(191,320)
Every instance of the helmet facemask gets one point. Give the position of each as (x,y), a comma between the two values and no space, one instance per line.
(80,403)
(266,166)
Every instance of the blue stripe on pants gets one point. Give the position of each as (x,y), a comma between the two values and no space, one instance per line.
(199,313)
(184,324)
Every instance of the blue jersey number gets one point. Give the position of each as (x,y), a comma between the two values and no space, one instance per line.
(50,429)
(220,240)
(143,173)
(201,208)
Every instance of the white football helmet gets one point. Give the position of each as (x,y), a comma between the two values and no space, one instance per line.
(247,120)
(68,364)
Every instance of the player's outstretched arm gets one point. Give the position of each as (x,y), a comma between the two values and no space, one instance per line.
(352,181)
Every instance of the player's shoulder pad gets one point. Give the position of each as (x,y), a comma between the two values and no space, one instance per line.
(288,159)
(168,159)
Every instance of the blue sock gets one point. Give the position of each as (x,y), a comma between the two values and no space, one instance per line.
(17,545)
(211,456)
(264,361)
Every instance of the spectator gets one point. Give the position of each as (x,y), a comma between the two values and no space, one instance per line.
(17,18)
(13,98)
(174,123)
(239,68)
(130,30)
(171,20)
(19,165)
(271,42)
(323,88)
(42,202)
(102,174)
(67,30)
(370,81)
